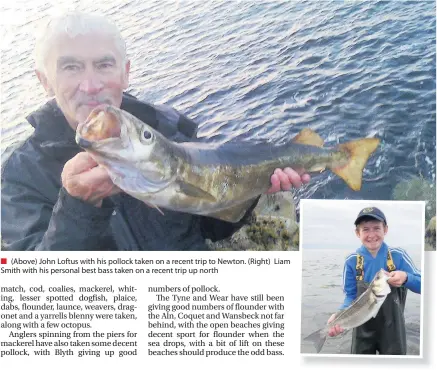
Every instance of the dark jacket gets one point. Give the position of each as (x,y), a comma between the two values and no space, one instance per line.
(38,213)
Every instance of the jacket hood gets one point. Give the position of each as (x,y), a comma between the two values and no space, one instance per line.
(51,126)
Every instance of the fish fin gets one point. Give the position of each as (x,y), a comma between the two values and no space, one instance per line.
(154,206)
(162,213)
(371,306)
(308,137)
(317,168)
(195,192)
(318,339)
(359,153)
(234,213)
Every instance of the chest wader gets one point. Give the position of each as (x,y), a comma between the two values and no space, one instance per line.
(385,334)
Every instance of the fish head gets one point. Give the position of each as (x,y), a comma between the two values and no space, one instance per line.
(135,155)
(380,286)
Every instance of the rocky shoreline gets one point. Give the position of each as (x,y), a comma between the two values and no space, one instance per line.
(272,227)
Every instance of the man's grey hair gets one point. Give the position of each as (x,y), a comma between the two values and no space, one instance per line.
(73,24)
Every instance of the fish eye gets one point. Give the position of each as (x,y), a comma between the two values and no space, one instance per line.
(147,134)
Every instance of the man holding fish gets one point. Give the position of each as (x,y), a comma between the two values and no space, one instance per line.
(55,196)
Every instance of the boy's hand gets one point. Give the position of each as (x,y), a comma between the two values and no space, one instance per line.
(336,329)
(397,278)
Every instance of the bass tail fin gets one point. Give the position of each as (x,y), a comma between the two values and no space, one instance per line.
(359,153)
(318,339)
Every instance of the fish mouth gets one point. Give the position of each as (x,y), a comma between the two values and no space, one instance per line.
(101,124)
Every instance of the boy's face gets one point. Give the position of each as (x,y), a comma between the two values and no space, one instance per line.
(371,233)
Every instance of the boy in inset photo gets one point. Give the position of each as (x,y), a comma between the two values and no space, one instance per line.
(359,301)
(385,333)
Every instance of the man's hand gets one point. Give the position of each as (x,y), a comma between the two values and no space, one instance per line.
(83,178)
(285,179)
(397,278)
(336,329)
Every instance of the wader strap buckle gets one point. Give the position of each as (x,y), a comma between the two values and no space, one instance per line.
(390,264)
(360,267)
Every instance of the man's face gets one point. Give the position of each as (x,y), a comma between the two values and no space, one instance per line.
(371,233)
(83,72)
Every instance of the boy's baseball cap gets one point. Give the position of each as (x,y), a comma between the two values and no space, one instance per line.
(373,212)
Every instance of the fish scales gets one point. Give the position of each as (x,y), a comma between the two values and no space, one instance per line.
(360,311)
(220,171)
(220,181)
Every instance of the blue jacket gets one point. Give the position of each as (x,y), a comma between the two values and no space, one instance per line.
(372,265)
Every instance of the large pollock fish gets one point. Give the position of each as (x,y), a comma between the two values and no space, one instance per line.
(219,181)
(361,310)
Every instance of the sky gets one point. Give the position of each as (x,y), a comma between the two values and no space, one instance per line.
(330,223)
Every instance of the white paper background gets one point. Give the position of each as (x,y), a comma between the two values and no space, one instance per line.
(238,279)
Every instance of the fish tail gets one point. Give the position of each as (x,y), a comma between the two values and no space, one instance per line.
(359,152)
(318,338)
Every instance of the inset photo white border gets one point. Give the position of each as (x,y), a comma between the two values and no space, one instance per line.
(327,237)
